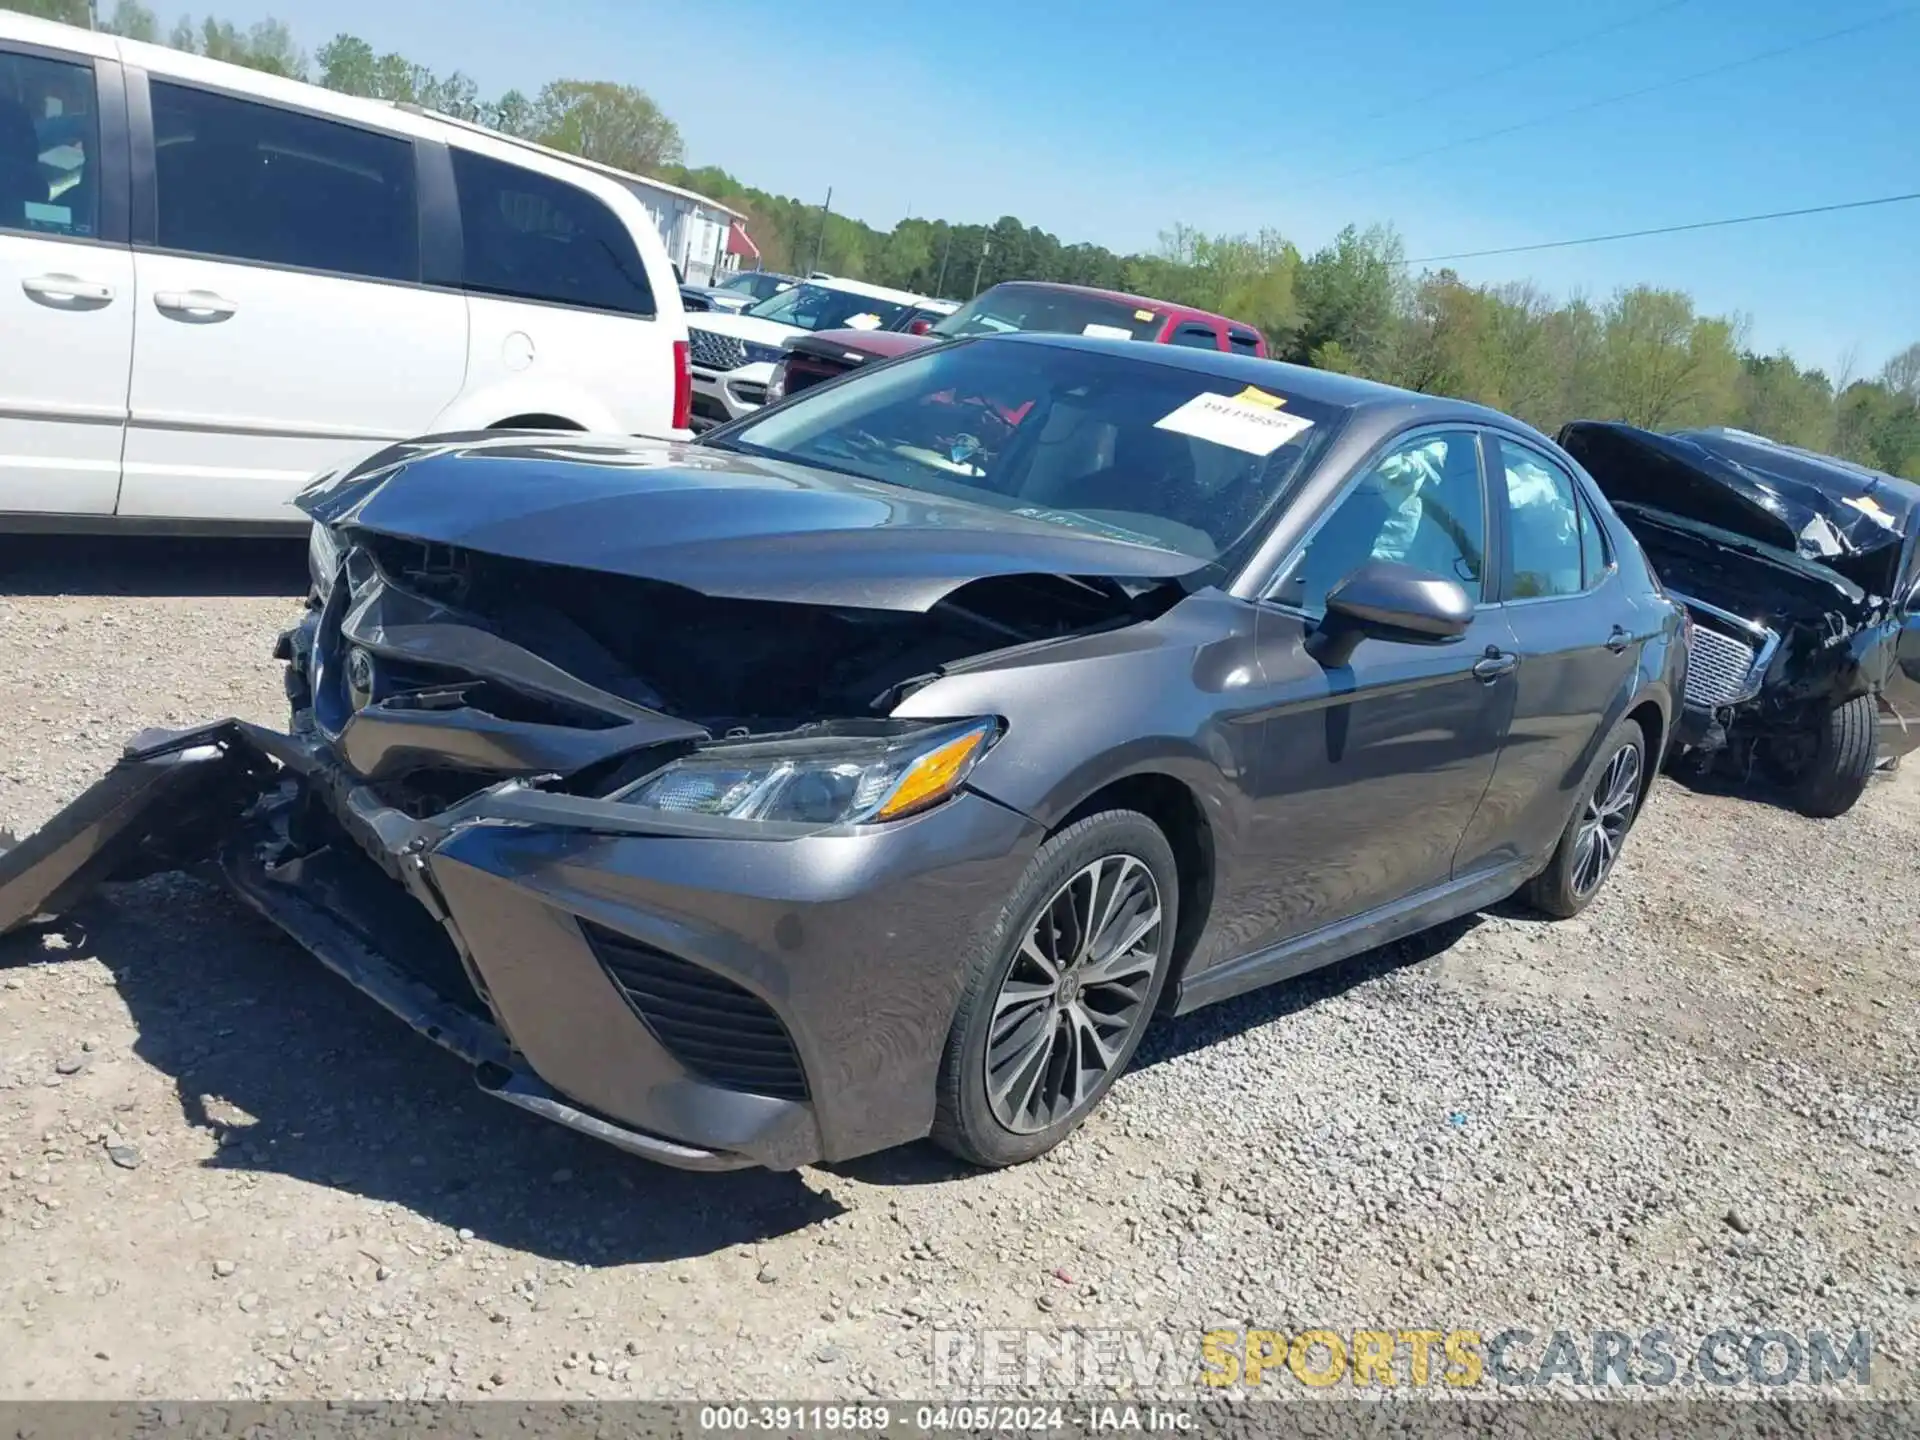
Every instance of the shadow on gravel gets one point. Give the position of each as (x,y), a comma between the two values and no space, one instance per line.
(297,1074)
(150,565)
(1168,1039)
(1755,789)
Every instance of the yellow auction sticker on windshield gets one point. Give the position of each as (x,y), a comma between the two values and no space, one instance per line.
(1253,395)
(1143,315)
(1236,422)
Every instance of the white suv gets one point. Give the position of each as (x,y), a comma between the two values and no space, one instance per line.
(215,283)
(734,355)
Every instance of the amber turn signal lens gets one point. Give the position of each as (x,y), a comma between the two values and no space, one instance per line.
(934,776)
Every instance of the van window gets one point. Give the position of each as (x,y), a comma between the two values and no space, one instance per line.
(49,147)
(536,238)
(249,181)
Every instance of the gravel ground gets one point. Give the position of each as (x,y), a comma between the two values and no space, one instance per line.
(225,1175)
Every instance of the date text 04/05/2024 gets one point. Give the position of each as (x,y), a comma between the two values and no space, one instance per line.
(942,1419)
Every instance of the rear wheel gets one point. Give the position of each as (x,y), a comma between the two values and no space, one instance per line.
(1594,836)
(1060,995)
(1838,761)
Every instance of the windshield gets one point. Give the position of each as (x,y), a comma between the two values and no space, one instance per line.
(815,307)
(1063,312)
(1131,447)
(756,283)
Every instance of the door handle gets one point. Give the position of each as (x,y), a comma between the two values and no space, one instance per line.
(1618,640)
(1490,668)
(194,304)
(67,287)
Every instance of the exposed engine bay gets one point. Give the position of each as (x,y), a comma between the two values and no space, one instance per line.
(434,669)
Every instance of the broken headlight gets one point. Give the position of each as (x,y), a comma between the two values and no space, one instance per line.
(323,559)
(823,779)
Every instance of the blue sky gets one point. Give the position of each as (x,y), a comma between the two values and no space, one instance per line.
(1109,121)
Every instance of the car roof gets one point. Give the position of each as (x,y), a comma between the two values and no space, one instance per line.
(1325,387)
(1122,297)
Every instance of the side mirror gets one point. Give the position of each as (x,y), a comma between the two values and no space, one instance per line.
(919,327)
(1386,600)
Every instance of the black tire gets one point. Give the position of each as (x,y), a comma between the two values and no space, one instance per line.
(966,1122)
(1565,887)
(1846,743)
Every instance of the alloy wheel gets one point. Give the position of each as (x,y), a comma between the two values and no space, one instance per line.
(1074,994)
(1609,814)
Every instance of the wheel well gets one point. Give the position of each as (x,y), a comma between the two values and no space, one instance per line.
(1172,807)
(1654,727)
(534,422)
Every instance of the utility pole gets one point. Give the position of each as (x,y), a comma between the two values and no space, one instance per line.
(941,284)
(821,239)
(93,14)
(985,246)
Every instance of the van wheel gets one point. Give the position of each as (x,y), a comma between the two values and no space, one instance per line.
(1061,991)
(1591,843)
(1840,761)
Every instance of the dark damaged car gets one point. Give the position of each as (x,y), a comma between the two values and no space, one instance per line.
(1801,574)
(879,766)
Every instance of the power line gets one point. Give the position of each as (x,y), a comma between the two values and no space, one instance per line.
(1637,19)
(1666,229)
(1625,95)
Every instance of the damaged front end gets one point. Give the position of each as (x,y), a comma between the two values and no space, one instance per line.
(1799,575)
(615,841)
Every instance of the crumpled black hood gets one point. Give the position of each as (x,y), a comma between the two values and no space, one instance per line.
(720,523)
(1855,521)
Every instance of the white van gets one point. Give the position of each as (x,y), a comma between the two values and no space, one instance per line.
(215,283)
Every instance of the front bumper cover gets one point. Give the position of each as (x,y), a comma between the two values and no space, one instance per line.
(477,927)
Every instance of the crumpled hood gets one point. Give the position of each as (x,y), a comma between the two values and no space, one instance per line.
(742,327)
(1855,521)
(719,523)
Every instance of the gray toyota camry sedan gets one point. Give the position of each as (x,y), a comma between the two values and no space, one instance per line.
(881,765)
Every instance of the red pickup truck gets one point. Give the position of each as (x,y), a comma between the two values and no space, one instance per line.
(1018,305)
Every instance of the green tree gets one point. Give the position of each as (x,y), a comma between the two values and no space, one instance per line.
(267,46)
(132,21)
(1350,298)
(617,125)
(68,12)
(1780,401)
(1664,365)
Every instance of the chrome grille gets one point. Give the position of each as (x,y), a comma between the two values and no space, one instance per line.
(1717,667)
(715,352)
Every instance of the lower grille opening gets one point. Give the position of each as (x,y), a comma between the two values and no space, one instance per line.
(721,1032)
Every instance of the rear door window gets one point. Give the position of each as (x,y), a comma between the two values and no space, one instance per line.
(49,147)
(1544,548)
(247,181)
(1243,342)
(532,237)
